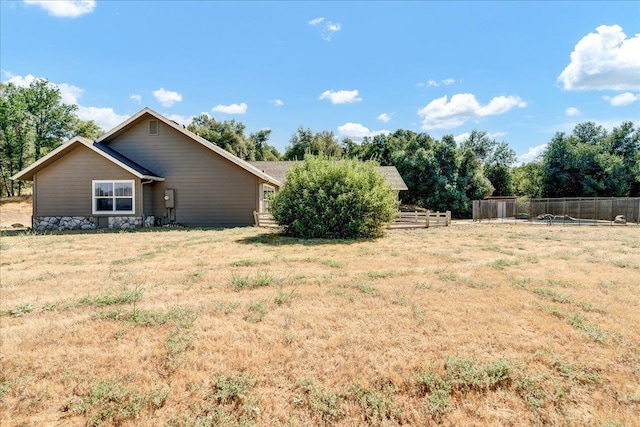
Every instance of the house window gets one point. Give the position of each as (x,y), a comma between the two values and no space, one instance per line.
(113,196)
(267,192)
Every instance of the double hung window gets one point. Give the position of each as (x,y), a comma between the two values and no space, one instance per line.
(113,197)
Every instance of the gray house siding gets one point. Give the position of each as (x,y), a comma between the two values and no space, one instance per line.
(64,188)
(210,191)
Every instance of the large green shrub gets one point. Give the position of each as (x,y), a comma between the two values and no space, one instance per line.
(324,198)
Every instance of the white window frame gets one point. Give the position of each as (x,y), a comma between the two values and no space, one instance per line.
(94,203)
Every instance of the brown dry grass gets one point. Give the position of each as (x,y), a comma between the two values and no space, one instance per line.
(347,333)
(15,210)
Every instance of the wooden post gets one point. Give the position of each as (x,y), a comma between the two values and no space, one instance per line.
(255,218)
(448,218)
(428,215)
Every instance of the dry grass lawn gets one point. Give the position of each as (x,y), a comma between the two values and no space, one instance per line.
(468,325)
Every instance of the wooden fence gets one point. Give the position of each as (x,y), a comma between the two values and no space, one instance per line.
(403,220)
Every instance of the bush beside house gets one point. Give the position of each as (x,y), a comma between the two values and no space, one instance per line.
(325,198)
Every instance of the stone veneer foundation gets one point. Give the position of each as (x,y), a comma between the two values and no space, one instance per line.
(60,223)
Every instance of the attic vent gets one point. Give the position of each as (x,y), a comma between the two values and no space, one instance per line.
(153,127)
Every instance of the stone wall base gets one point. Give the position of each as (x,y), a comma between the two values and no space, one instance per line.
(60,223)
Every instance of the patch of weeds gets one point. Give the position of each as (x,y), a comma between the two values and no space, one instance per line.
(362,287)
(177,343)
(332,263)
(578,321)
(529,389)
(320,400)
(228,307)
(560,283)
(576,373)
(256,312)
(377,405)
(423,285)
(399,299)
(112,402)
(249,282)
(181,316)
(231,393)
(284,298)
(530,259)
(246,263)
(419,312)
(501,263)
(445,276)
(499,249)
(468,374)
(587,306)
(5,386)
(18,311)
(125,296)
(552,295)
(380,274)
(437,390)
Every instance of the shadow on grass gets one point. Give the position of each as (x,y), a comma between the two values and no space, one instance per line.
(277,239)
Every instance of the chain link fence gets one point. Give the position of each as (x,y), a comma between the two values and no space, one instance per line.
(565,211)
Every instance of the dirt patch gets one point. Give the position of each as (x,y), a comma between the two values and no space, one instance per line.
(14,211)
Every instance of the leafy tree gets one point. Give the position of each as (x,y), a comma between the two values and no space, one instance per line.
(14,135)
(528,179)
(326,198)
(87,129)
(305,142)
(496,159)
(51,121)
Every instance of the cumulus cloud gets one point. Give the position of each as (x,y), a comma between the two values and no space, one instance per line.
(65,8)
(167,98)
(572,111)
(277,102)
(532,154)
(384,117)
(622,99)
(442,113)
(357,132)
(604,60)
(137,98)
(104,117)
(341,96)
(69,94)
(327,28)
(231,109)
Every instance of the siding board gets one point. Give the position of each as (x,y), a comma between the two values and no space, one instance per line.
(210,191)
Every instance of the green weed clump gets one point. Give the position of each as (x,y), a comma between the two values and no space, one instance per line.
(578,321)
(324,402)
(18,311)
(125,296)
(256,312)
(110,401)
(182,316)
(249,282)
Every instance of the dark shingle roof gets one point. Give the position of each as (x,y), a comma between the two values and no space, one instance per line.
(125,160)
(278,170)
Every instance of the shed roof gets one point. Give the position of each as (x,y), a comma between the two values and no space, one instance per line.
(279,169)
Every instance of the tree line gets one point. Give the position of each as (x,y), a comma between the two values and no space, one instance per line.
(441,174)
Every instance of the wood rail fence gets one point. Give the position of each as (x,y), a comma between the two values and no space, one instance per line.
(403,220)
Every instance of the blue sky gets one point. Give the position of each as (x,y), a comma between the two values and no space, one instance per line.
(518,70)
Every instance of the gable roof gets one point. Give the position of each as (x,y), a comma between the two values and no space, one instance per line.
(113,156)
(279,169)
(104,139)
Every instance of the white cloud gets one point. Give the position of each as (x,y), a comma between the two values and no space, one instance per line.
(603,60)
(572,111)
(532,154)
(434,83)
(327,29)
(65,8)
(277,102)
(384,117)
(167,98)
(104,117)
(341,96)
(231,109)
(357,132)
(137,98)
(444,114)
(181,120)
(69,94)
(622,99)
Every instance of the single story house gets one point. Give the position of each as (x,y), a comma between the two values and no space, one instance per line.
(151,171)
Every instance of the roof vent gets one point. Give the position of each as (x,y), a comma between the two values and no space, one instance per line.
(153,127)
